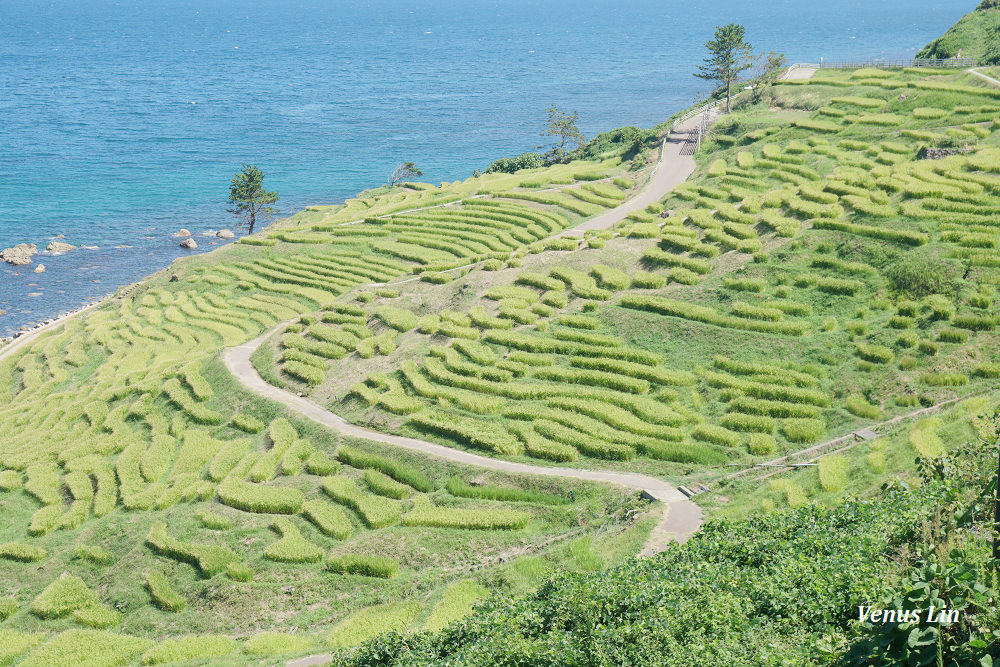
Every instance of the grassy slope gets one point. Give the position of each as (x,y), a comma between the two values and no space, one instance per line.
(971,34)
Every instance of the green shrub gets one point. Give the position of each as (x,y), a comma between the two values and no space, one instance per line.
(163,595)
(367,566)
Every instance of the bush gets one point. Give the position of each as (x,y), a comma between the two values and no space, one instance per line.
(803,430)
(162,593)
(510,165)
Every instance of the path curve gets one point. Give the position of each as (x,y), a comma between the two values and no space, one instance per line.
(976,72)
(672,169)
(681,517)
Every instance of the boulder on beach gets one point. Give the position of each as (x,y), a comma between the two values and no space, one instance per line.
(190,244)
(225,234)
(59,246)
(40,268)
(182,233)
(20,254)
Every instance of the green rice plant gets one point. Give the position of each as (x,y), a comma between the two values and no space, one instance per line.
(375,511)
(457,487)
(717,168)
(925,439)
(927,347)
(45,519)
(8,607)
(162,594)
(817,125)
(238,571)
(292,547)
(259,498)
(744,284)
(833,472)
(93,554)
(929,113)
(267,644)
(907,339)
(944,379)
(247,423)
(321,349)
(689,311)
(785,227)
(87,648)
(987,370)
(738,421)
(906,237)
(755,406)
(399,319)
(716,434)
(383,485)
(470,432)
(456,603)
(659,257)
(329,518)
(374,621)
(742,309)
(10,480)
(378,567)
(803,430)
(953,336)
(44,483)
(788,307)
(679,274)
(213,520)
(228,458)
(198,413)
(593,378)
(24,553)
(901,322)
(311,375)
(580,283)
(840,286)
(761,444)
(583,442)
(610,278)
(975,322)
(209,559)
(876,354)
(425,513)
(647,280)
(858,406)
(195,647)
(14,643)
(398,471)
(62,597)
(630,369)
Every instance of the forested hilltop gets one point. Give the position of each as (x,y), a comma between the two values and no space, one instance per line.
(383,432)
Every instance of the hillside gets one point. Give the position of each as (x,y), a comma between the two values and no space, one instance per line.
(975,34)
(831,265)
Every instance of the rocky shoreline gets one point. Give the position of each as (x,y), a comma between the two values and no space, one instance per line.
(26,254)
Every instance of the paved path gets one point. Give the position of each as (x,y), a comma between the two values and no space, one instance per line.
(671,170)
(798,72)
(983,76)
(681,516)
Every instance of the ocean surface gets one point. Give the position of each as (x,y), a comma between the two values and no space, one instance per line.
(122,121)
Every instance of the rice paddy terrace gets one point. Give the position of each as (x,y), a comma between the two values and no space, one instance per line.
(832,263)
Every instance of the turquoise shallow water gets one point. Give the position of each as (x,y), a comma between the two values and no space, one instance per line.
(123,120)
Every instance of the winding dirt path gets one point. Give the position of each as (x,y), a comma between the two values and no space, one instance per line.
(976,72)
(681,517)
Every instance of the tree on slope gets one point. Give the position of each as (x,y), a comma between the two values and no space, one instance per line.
(562,125)
(251,201)
(765,70)
(403,171)
(728,56)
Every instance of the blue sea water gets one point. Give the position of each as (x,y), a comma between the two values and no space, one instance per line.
(123,120)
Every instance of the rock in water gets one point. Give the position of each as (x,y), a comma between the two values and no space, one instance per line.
(182,233)
(59,246)
(190,244)
(225,234)
(40,268)
(20,254)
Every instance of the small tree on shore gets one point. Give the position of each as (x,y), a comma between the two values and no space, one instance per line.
(252,203)
(404,171)
(562,125)
(765,70)
(728,56)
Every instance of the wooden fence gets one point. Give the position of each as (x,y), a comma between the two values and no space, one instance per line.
(957,63)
